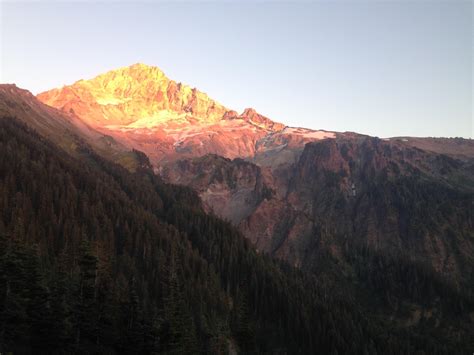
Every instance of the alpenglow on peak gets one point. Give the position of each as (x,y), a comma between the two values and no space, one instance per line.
(137,92)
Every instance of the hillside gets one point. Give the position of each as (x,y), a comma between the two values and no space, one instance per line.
(155,272)
(63,128)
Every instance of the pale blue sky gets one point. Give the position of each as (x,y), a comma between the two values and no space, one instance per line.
(385,68)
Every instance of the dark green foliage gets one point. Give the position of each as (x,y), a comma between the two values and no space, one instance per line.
(97,279)
(242,324)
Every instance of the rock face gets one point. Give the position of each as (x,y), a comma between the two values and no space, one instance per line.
(231,189)
(353,189)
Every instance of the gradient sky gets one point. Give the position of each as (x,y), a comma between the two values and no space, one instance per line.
(384,68)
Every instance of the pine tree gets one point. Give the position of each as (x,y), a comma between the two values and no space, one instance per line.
(61,327)
(14,322)
(38,305)
(134,338)
(181,336)
(242,324)
(86,329)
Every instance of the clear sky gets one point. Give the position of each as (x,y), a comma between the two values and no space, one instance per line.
(384,68)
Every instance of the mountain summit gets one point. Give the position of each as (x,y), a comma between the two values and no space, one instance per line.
(138,95)
(143,109)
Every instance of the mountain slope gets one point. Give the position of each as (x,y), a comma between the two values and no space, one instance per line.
(156,273)
(362,188)
(65,129)
(371,217)
(391,198)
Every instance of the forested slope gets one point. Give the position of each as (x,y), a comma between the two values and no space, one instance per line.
(95,259)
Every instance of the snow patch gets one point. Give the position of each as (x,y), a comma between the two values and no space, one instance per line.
(307,133)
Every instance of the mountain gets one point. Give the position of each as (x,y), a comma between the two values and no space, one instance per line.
(97,259)
(370,190)
(333,240)
(285,184)
(143,109)
(138,96)
(358,211)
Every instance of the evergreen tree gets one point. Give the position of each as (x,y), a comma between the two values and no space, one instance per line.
(86,328)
